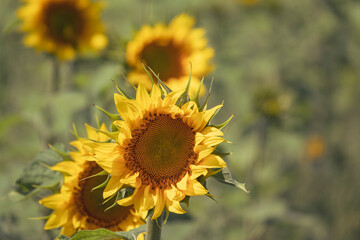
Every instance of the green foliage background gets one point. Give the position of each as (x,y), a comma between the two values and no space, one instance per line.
(302,58)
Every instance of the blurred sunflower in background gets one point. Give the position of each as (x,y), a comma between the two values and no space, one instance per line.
(163,149)
(168,51)
(315,147)
(79,205)
(63,27)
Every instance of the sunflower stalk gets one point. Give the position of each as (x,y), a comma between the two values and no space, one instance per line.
(153,226)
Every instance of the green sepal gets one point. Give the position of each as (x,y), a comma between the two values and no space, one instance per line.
(196,99)
(185,96)
(105,234)
(149,74)
(113,117)
(122,92)
(211,197)
(75,133)
(134,88)
(224,176)
(162,84)
(216,112)
(224,124)
(64,155)
(123,193)
(112,135)
(102,173)
(221,154)
(207,97)
(102,184)
(118,197)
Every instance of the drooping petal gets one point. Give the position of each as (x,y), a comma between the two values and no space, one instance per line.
(160,203)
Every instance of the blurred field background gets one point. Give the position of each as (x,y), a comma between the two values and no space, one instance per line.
(288,70)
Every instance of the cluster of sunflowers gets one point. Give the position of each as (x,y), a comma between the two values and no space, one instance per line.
(161,146)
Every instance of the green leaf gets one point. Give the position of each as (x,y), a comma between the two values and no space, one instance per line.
(37,175)
(224,176)
(104,234)
(63,237)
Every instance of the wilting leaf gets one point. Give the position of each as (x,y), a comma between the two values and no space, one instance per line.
(37,174)
(225,176)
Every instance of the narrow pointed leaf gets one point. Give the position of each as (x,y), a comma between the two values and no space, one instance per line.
(102,184)
(207,97)
(149,74)
(222,125)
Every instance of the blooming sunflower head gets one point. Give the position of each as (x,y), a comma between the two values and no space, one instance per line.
(168,50)
(163,149)
(63,27)
(79,205)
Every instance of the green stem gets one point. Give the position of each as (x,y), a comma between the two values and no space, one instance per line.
(153,227)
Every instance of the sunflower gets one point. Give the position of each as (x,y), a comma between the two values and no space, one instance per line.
(162,150)
(78,206)
(315,147)
(63,27)
(169,50)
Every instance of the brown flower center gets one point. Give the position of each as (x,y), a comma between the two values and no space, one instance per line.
(161,150)
(89,203)
(63,21)
(164,59)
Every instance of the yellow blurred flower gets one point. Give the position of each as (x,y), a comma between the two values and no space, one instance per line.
(168,50)
(63,27)
(77,206)
(160,150)
(270,102)
(315,147)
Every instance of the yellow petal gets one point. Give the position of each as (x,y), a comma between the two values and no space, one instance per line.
(142,96)
(155,93)
(112,187)
(194,188)
(53,201)
(212,131)
(68,167)
(56,219)
(212,141)
(212,161)
(183,182)
(148,200)
(197,171)
(203,151)
(126,201)
(208,114)
(174,206)
(68,230)
(160,203)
